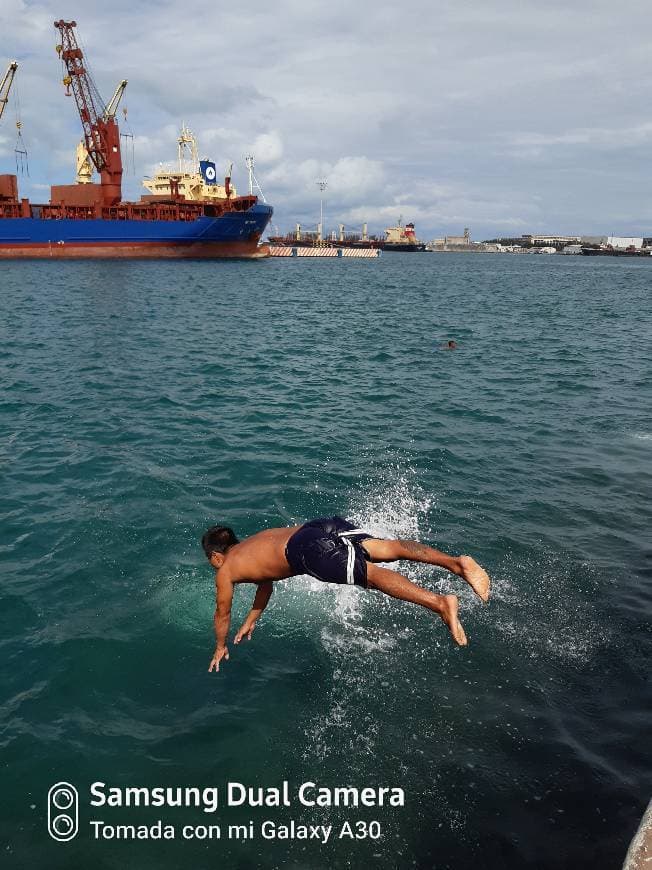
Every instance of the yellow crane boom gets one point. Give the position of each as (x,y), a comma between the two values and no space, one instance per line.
(5,85)
(112,106)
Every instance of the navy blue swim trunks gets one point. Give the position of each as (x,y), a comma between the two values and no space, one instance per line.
(330,549)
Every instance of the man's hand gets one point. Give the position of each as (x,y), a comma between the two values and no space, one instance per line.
(220,653)
(245,629)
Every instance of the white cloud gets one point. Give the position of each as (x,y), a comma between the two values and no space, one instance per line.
(354,177)
(596,137)
(268,148)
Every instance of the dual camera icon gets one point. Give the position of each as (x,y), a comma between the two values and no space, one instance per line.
(63,811)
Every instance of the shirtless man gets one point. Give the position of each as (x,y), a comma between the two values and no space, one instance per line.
(335,551)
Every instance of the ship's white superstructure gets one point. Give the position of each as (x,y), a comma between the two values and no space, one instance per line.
(186,178)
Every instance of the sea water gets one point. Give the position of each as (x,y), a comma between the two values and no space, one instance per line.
(142,402)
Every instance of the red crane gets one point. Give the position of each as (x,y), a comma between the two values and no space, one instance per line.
(101,132)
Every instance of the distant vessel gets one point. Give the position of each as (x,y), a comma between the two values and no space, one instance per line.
(398,238)
(402,238)
(302,239)
(617,252)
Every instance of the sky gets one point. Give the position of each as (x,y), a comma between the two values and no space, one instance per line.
(505,117)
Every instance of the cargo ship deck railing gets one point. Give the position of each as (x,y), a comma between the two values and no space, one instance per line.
(127,211)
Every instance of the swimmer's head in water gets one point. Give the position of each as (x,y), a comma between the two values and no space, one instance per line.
(217,539)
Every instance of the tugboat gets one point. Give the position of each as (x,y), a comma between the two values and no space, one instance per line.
(402,238)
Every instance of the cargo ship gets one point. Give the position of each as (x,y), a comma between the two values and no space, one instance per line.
(187,214)
(398,238)
(616,252)
(402,238)
(310,239)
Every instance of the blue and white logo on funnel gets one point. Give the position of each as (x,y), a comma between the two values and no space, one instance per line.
(208,171)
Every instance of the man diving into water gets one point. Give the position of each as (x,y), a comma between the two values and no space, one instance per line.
(332,550)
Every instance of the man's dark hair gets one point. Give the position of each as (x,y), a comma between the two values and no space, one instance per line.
(218,539)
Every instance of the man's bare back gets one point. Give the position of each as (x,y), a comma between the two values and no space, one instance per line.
(332,550)
(260,557)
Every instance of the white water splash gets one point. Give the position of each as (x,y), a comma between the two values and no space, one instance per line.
(541,611)
(364,628)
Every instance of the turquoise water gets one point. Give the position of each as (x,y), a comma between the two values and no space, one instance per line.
(141,402)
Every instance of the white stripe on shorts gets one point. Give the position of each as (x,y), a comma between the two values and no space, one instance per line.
(350,579)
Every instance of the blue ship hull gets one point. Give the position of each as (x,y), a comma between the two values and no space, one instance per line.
(231,234)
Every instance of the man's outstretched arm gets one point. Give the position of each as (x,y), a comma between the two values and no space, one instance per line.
(261,600)
(222,618)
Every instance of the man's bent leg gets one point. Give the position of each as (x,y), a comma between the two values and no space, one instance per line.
(395,584)
(413,551)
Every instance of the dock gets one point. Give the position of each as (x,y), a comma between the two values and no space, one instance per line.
(299,251)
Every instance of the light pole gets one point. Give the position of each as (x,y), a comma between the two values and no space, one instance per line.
(322,187)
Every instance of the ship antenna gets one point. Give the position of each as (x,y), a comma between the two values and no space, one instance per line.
(249,160)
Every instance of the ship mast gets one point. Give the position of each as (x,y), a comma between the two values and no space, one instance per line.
(187,143)
(101,133)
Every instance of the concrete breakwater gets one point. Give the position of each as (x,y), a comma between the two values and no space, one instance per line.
(297,251)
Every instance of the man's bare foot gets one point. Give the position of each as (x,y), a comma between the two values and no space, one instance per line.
(449,615)
(476,577)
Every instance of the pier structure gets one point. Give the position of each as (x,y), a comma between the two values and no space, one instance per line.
(322,251)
